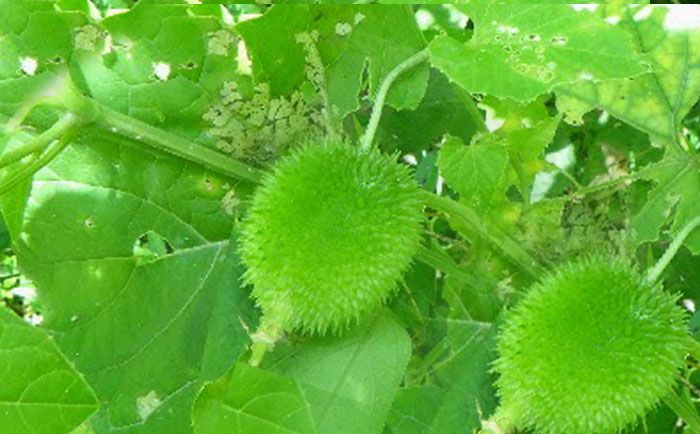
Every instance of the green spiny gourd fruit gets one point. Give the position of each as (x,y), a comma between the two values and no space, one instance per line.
(329,233)
(589,349)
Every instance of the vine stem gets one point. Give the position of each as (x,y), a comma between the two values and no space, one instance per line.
(464,216)
(373,124)
(62,92)
(41,142)
(156,137)
(655,272)
(442,262)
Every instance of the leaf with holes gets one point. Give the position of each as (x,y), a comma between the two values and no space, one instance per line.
(346,41)
(523,51)
(36,42)
(158,310)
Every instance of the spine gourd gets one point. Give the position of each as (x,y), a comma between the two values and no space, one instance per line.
(328,235)
(589,349)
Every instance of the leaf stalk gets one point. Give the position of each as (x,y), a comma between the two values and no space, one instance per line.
(685,409)
(142,132)
(657,270)
(373,124)
(30,168)
(462,215)
(41,142)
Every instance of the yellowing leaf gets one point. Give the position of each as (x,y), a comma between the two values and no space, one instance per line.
(658,100)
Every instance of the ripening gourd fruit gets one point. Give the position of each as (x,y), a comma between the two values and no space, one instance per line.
(328,235)
(588,350)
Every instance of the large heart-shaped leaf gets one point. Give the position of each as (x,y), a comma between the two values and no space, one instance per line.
(141,284)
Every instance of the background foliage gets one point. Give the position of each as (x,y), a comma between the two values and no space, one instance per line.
(547,131)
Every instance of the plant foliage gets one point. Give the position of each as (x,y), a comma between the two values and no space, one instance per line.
(170,171)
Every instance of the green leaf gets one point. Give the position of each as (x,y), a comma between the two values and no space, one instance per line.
(657,101)
(467,371)
(36,41)
(507,115)
(252,400)
(483,172)
(13,202)
(41,391)
(523,51)
(660,420)
(380,38)
(85,428)
(418,298)
(349,382)
(415,409)
(446,109)
(473,300)
(681,274)
(340,385)
(4,234)
(477,172)
(465,377)
(349,41)
(160,64)
(146,334)
(278,58)
(677,179)
(526,151)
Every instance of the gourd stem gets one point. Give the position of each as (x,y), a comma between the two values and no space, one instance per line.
(61,92)
(264,339)
(462,217)
(140,131)
(412,61)
(30,168)
(499,423)
(257,353)
(657,270)
(40,142)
